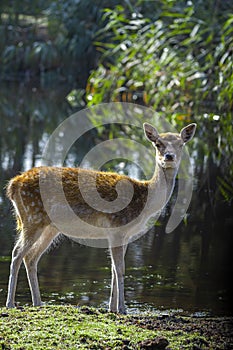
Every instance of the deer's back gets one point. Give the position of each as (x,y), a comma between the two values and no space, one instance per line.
(24,191)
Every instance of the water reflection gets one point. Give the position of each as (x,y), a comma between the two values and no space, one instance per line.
(189,269)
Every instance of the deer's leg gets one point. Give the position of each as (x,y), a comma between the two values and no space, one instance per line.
(117,302)
(32,258)
(26,239)
(113,295)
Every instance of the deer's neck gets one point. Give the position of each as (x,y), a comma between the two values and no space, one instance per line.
(162,185)
(170,177)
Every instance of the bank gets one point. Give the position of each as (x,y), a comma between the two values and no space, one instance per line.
(70,327)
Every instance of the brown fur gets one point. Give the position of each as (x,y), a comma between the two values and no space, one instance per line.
(25,191)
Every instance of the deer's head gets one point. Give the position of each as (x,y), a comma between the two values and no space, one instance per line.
(169,145)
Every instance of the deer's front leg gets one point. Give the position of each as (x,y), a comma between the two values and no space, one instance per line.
(117,301)
(113,294)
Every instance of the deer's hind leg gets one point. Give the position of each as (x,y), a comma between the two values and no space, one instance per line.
(32,258)
(28,236)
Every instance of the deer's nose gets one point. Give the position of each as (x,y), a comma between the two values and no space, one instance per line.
(169,156)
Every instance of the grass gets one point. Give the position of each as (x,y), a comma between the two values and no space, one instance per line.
(69,327)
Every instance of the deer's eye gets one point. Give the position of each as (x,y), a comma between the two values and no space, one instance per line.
(158,145)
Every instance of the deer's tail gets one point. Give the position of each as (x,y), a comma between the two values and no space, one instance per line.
(13,193)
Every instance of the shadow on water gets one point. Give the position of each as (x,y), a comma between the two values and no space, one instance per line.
(189,269)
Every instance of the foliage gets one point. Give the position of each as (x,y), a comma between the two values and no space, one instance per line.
(50,35)
(43,36)
(171,55)
(172,62)
(226,189)
(14,8)
(180,64)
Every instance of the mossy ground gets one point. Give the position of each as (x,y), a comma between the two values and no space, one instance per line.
(69,327)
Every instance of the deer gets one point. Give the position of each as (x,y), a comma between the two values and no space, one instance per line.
(37,231)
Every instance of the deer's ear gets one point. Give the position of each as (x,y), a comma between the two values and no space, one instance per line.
(188,132)
(150,132)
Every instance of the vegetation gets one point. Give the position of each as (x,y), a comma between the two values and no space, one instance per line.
(48,38)
(51,39)
(66,327)
(172,55)
(180,64)
(171,63)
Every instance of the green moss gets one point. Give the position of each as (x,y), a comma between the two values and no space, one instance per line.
(69,327)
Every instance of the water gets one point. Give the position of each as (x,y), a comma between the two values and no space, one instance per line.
(189,269)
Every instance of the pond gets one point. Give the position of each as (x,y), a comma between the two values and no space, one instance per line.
(189,269)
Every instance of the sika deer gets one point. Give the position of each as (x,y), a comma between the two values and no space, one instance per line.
(37,230)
